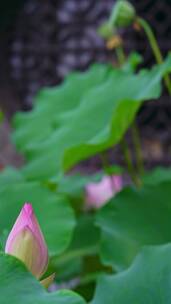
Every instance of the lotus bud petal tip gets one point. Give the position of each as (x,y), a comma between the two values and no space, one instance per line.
(28,208)
(26,242)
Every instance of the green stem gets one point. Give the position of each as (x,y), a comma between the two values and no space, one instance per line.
(120,55)
(77,253)
(155,48)
(136,139)
(90,278)
(129,162)
(105,161)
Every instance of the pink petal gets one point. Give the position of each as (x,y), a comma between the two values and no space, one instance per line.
(97,194)
(27,219)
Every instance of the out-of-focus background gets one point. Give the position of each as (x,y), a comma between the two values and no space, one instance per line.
(42,41)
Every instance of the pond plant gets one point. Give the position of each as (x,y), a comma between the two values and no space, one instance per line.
(101,240)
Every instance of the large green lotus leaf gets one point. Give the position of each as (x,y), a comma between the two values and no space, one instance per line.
(147,280)
(42,121)
(18,286)
(54,214)
(132,219)
(97,123)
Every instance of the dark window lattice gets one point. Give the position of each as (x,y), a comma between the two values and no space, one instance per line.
(52,38)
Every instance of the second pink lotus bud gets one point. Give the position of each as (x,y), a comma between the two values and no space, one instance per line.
(97,194)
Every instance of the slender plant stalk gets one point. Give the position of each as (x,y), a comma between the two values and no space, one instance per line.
(135,132)
(106,165)
(105,161)
(129,162)
(155,48)
(90,278)
(120,55)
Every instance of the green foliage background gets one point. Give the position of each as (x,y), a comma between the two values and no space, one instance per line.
(86,115)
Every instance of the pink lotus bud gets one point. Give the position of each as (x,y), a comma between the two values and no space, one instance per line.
(97,194)
(26,242)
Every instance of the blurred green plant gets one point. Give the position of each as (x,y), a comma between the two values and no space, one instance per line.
(19,286)
(87,114)
(145,281)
